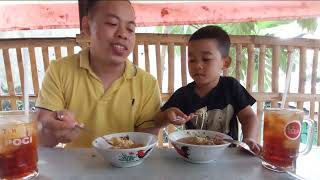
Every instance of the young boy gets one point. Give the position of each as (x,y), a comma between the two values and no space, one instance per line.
(224,97)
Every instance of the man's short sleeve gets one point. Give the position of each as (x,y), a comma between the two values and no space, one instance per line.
(150,107)
(51,94)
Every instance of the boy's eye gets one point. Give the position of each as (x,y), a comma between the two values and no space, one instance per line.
(191,60)
(206,59)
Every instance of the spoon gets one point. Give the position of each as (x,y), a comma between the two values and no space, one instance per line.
(247,148)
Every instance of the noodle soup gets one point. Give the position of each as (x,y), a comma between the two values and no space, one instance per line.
(196,140)
(124,143)
(199,146)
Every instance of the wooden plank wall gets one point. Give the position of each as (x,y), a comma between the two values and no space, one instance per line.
(250,54)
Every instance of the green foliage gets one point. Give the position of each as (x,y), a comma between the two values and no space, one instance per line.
(308,24)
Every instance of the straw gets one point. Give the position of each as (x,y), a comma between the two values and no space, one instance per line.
(26,89)
(288,78)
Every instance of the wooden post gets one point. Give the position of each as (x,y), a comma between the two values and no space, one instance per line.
(21,69)
(275,72)
(135,55)
(183,65)
(238,61)
(7,65)
(250,67)
(57,52)
(171,68)
(159,66)
(261,74)
(314,81)
(146,57)
(302,74)
(45,56)
(34,71)
(70,50)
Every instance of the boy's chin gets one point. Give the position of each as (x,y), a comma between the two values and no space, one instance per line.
(200,83)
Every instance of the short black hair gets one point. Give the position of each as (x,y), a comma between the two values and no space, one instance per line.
(216,33)
(91,5)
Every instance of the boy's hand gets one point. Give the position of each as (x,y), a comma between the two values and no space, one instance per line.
(254,146)
(176,116)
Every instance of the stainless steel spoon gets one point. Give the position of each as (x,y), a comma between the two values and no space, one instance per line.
(247,148)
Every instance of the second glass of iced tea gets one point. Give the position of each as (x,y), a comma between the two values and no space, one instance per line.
(281,137)
(18,145)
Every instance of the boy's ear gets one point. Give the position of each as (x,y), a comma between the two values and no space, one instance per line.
(85,27)
(226,62)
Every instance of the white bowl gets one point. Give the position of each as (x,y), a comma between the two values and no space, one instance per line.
(198,153)
(126,157)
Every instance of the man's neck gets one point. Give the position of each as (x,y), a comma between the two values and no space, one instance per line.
(106,71)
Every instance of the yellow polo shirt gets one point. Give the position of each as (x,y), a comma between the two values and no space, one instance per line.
(131,101)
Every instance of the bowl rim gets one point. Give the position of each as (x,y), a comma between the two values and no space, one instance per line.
(126,150)
(201,146)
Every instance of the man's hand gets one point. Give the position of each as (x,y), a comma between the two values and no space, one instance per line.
(57,127)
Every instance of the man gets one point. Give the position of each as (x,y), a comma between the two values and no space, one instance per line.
(98,88)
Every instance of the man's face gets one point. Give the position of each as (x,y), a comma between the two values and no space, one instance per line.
(204,61)
(112,31)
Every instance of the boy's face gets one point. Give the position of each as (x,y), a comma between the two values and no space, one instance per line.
(205,61)
(112,30)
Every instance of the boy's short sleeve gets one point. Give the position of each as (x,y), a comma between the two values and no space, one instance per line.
(241,96)
(174,101)
(150,108)
(51,94)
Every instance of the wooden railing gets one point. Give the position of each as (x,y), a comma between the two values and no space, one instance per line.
(165,57)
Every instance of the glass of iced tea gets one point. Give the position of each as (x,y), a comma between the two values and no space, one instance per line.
(281,137)
(18,145)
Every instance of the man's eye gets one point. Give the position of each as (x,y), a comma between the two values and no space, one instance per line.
(111,24)
(131,30)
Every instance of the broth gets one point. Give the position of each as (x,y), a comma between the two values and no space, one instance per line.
(201,140)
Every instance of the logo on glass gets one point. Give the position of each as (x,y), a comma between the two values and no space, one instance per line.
(292,130)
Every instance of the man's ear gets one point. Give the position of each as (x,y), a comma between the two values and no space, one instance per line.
(85,26)
(226,62)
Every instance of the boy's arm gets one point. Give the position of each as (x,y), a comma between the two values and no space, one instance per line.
(249,122)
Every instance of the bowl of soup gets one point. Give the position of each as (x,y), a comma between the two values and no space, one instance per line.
(199,146)
(126,149)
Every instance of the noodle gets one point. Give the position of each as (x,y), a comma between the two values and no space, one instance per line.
(123,143)
(196,140)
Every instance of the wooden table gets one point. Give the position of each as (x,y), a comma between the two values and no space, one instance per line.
(163,164)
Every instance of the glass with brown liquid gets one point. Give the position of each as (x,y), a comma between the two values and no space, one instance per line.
(281,137)
(18,145)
